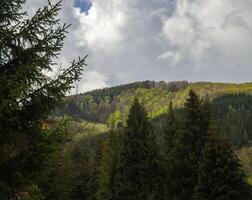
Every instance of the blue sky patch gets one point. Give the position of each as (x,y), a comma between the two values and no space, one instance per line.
(84,5)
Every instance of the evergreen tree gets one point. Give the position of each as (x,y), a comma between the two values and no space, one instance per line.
(109,166)
(28,48)
(206,116)
(138,165)
(86,156)
(170,128)
(220,174)
(185,156)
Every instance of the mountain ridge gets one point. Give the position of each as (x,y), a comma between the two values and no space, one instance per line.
(98,105)
(158,82)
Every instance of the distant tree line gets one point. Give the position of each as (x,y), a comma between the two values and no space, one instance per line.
(111,92)
(99,104)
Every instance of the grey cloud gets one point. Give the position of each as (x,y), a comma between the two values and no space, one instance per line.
(131,40)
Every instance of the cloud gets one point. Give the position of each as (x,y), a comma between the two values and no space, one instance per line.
(170,56)
(132,40)
(93,80)
(122,37)
(212,35)
(101,27)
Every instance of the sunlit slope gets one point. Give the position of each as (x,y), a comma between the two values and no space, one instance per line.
(100,105)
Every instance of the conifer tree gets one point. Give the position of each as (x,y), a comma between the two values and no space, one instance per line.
(28,49)
(206,115)
(109,166)
(139,160)
(220,174)
(184,159)
(170,128)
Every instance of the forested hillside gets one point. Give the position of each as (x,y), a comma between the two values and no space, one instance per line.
(234,115)
(98,105)
(231,103)
(107,164)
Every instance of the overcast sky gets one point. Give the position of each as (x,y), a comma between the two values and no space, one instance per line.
(134,40)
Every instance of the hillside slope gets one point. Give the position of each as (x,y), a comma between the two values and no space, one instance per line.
(98,105)
(231,103)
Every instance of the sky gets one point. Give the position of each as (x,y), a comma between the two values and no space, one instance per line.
(136,40)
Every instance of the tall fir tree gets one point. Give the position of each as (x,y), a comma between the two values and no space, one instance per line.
(206,115)
(138,166)
(28,49)
(109,166)
(170,128)
(220,174)
(185,156)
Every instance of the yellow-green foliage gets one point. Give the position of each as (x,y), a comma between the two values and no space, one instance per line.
(157,99)
(82,128)
(213,90)
(77,128)
(91,129)
(113,119)
(154,99)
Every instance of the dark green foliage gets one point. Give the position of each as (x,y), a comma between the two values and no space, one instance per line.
(109,166)
(234,115)
(73,172)
(137,176)
(87,156)
(170,129)
(220,173)
(111,92)
(184,158)
(27,50)
(125,162)
(57,181)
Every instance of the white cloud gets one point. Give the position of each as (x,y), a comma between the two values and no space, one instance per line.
(131,40)
(173,57)
(93,80)
(102,26)
(212,34)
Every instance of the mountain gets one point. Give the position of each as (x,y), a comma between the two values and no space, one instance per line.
(232,104)
(99,104)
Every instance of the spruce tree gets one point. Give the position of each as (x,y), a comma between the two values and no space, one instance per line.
(138,165)
(185,156)
(170,128)
(220,174)
(109,166)
(28,50)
